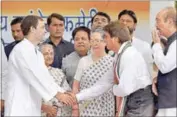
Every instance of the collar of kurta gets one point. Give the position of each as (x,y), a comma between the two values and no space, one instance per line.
(122,46)
(25,39)
(172,38)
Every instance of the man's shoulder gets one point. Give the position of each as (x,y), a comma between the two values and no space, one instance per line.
(86,58)
(130,54)
(68,46)
(140,41)
(10,44)
(67,42)
(141,45)
(47,40)
(70,57)
(23,46)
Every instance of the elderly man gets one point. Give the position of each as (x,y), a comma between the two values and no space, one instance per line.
(166,61)
(3,73)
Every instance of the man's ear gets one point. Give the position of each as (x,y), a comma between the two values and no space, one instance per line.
(116,39)
(170,21)
(134,27)
(32,29)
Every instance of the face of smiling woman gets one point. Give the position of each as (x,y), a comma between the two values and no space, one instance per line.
(48,53)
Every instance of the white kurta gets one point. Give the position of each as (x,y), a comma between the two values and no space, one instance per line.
(3,71)
(165,63)
(28,81)
(145,49)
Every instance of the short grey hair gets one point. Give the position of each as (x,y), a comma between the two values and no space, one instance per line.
(100,31)
(44,45)
(170,12)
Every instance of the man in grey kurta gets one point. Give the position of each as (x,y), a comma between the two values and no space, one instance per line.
(81,37)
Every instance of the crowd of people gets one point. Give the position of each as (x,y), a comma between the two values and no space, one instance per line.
(106,72)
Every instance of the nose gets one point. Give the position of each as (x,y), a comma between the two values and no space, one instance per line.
(124,22)
(99,21)
(15,33)
(80,41)
(156,25)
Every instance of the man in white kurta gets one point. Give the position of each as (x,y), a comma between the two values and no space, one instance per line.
(133,74)
(128,18)
(29,80)
(166,61)
(3,74)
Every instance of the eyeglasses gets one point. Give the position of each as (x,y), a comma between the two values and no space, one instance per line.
(96,41)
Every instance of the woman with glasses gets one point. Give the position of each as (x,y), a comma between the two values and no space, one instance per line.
(90,69)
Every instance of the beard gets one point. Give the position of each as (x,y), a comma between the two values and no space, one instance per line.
(131,30)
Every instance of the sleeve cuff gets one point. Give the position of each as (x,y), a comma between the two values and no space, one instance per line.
(118,91)
(115,89)
(54,91)
(78,97)
(52,95)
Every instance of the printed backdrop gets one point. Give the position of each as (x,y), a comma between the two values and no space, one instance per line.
(76,14)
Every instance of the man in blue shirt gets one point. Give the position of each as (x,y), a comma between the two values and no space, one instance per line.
(62,47)
(16,33)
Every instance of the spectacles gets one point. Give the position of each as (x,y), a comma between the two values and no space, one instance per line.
(96,41)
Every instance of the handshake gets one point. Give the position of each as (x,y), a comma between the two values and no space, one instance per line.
(68,98)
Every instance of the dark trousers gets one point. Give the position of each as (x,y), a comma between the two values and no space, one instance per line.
(140,103)
(2,113)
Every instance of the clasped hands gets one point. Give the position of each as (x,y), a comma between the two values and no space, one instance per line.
(68,98)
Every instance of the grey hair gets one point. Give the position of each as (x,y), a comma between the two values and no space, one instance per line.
(99,30)
(43,45)
(170,12)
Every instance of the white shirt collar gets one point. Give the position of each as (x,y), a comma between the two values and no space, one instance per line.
(30,43)
(122,46)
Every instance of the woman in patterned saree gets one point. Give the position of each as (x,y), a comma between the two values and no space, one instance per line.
(54,108)
(90,69)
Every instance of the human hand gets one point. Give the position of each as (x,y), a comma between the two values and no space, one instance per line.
(75,113)
(75,110)
(155,36)
(2,105)
(117,114)
(66,98)
(51,111)
(73,95)
(116,81)
(154,88)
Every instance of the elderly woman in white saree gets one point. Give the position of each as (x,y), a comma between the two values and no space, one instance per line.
(90,69)
(53,107)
